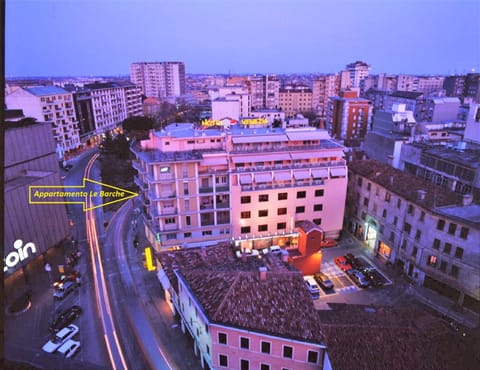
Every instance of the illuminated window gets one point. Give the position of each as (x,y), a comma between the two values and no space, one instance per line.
(432,261)
(164,169)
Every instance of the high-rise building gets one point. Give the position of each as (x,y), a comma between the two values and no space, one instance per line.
(348,116)
(159,79)
(49,104)
(295,99)
(264,91)
(472,87)
(358,72)
(323,87)
(249,186)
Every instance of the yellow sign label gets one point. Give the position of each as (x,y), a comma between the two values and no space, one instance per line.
(48,194)
(254,121)
(149,259)
(211,122)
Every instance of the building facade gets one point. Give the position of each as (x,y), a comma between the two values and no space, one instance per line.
(49,104)
(159,79)
(425,230)
(250,186)
(358,71)
(295,100)
(264,91)
(348,116)
(324,87)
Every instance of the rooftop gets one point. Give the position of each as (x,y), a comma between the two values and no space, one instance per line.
(45,90)
(406,94)
(389,338)
(405,184)
(231,291)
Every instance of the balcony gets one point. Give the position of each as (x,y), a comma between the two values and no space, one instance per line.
(223,205)
(283,185)
(139,182)
(170,227)
(204,190)
(206,205)
(222,188)
(163,195)
(138,166)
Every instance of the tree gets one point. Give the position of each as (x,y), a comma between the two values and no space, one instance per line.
(138,124)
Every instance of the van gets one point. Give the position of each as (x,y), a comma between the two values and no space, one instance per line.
(64,289)
(313,288)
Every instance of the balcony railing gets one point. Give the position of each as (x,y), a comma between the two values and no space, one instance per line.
(162,195)
(289,166)
(282,185)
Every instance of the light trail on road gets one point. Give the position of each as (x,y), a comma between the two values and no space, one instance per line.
(114,349)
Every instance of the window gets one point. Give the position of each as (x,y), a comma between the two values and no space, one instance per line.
(414,252)
(187,220)
(287,352)
(404,244)
(384,213)
(281,226)
(265,347)
(245,199)
(440,224)
(281,211)
(454,271)
(443,266)
(399,203)
(187,235)
(432,261)
(171,236)
(244,343)
(262,227)
(387,197)
(363,216)
(392,236)
(222,338)
(282,196)
(317,221)
(459,252)
(207,232)
(223,360)
(264,367)
(245,229)
(407,227)
(300,209)
(395,220)
(410,209)
(263,198)
(359,181)
(447,248)
(464,230)
(318,207)
(369,186)
(301,194)
(418,234)
(365,202)
(422,216)
(436,244)
(245,214)
(313,355)
(319,192)
(263,213)
(244,365)
(452,228)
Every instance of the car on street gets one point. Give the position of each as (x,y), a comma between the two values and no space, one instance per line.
(353,261)
(328,243)
(65,318)
(70,348)
(375,278)
(342,263)
(64,289)
(323,280)
(60,338)
(73,276)
(313,287)
(358,278)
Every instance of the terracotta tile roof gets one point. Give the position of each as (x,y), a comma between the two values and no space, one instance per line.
(308,226)
(404,184)
(232,293)
(365,337)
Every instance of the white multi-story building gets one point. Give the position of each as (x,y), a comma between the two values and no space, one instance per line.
(429,232)
(264,91)
(252,185)
(133,99)
(49,104)
(159,79)
(358,72)
(323,87)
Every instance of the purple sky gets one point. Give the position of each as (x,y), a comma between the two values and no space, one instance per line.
(102,37)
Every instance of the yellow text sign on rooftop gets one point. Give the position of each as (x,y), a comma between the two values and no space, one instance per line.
(59,194)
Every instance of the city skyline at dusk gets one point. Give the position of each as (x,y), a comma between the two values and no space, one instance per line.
(104,38)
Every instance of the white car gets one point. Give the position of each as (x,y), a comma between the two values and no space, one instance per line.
(69,348)
(60,338)
(312,286)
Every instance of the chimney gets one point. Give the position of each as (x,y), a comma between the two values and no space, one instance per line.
(421,194)
(263,272)
(467,199)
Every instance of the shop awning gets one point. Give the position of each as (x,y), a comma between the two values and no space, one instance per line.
(263,177)
(338,172)
(320,173)
(301,175)
(258,139)
(246,159)
(213,161)
(302,155)
(245,179)
(285,175)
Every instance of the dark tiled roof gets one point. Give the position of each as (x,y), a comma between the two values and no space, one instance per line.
(361,337)
(232,293)
(406,94)
(405,184)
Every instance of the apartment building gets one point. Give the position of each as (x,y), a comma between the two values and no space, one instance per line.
(133,98)
(423,84)
(250,186)
(53,105)
(429,232)
(264,91)
(348,116)
(358,72)
(29,230)
(295,99)
(159,79)
(323,87)
(243,312)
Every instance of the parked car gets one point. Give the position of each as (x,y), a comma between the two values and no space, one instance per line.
(73,276)
(313,288)
(70,348)
(60,338)
(375,278)
(323,280)
(342,263)
(65,318)
(353,261)
(327,243)
(64,289)
(358,278)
